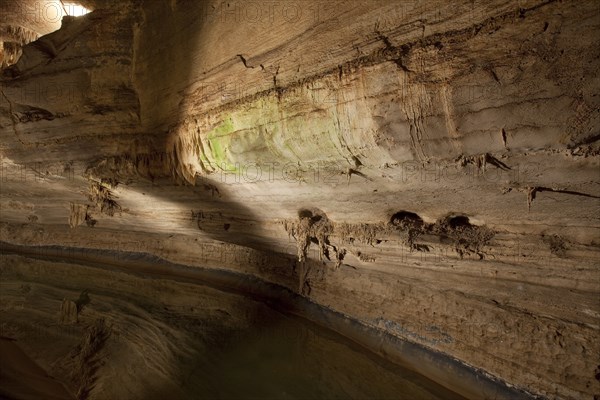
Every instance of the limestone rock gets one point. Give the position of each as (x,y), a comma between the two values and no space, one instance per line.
(448,154)
(68,312)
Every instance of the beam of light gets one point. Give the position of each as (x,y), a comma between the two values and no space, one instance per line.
(74,9)
(48,14)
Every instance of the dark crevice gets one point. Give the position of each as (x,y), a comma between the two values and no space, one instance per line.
(533,191)
(459,221)
(406,218)
(244,61)
(305,214)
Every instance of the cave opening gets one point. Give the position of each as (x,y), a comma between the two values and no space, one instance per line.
(30,21)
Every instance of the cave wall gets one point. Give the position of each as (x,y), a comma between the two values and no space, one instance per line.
(430,169)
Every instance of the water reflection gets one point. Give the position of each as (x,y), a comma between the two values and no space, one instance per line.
(291,358)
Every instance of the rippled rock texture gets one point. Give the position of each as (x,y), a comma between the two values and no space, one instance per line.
(428,168)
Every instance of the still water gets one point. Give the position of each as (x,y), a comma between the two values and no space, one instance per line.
(176,339)
(291,358)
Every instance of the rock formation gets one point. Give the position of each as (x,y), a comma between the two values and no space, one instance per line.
(68,312)
(427,168)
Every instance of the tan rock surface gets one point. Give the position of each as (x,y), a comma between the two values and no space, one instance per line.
(428,168)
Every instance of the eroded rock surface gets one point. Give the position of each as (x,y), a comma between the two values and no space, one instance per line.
(428,168)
